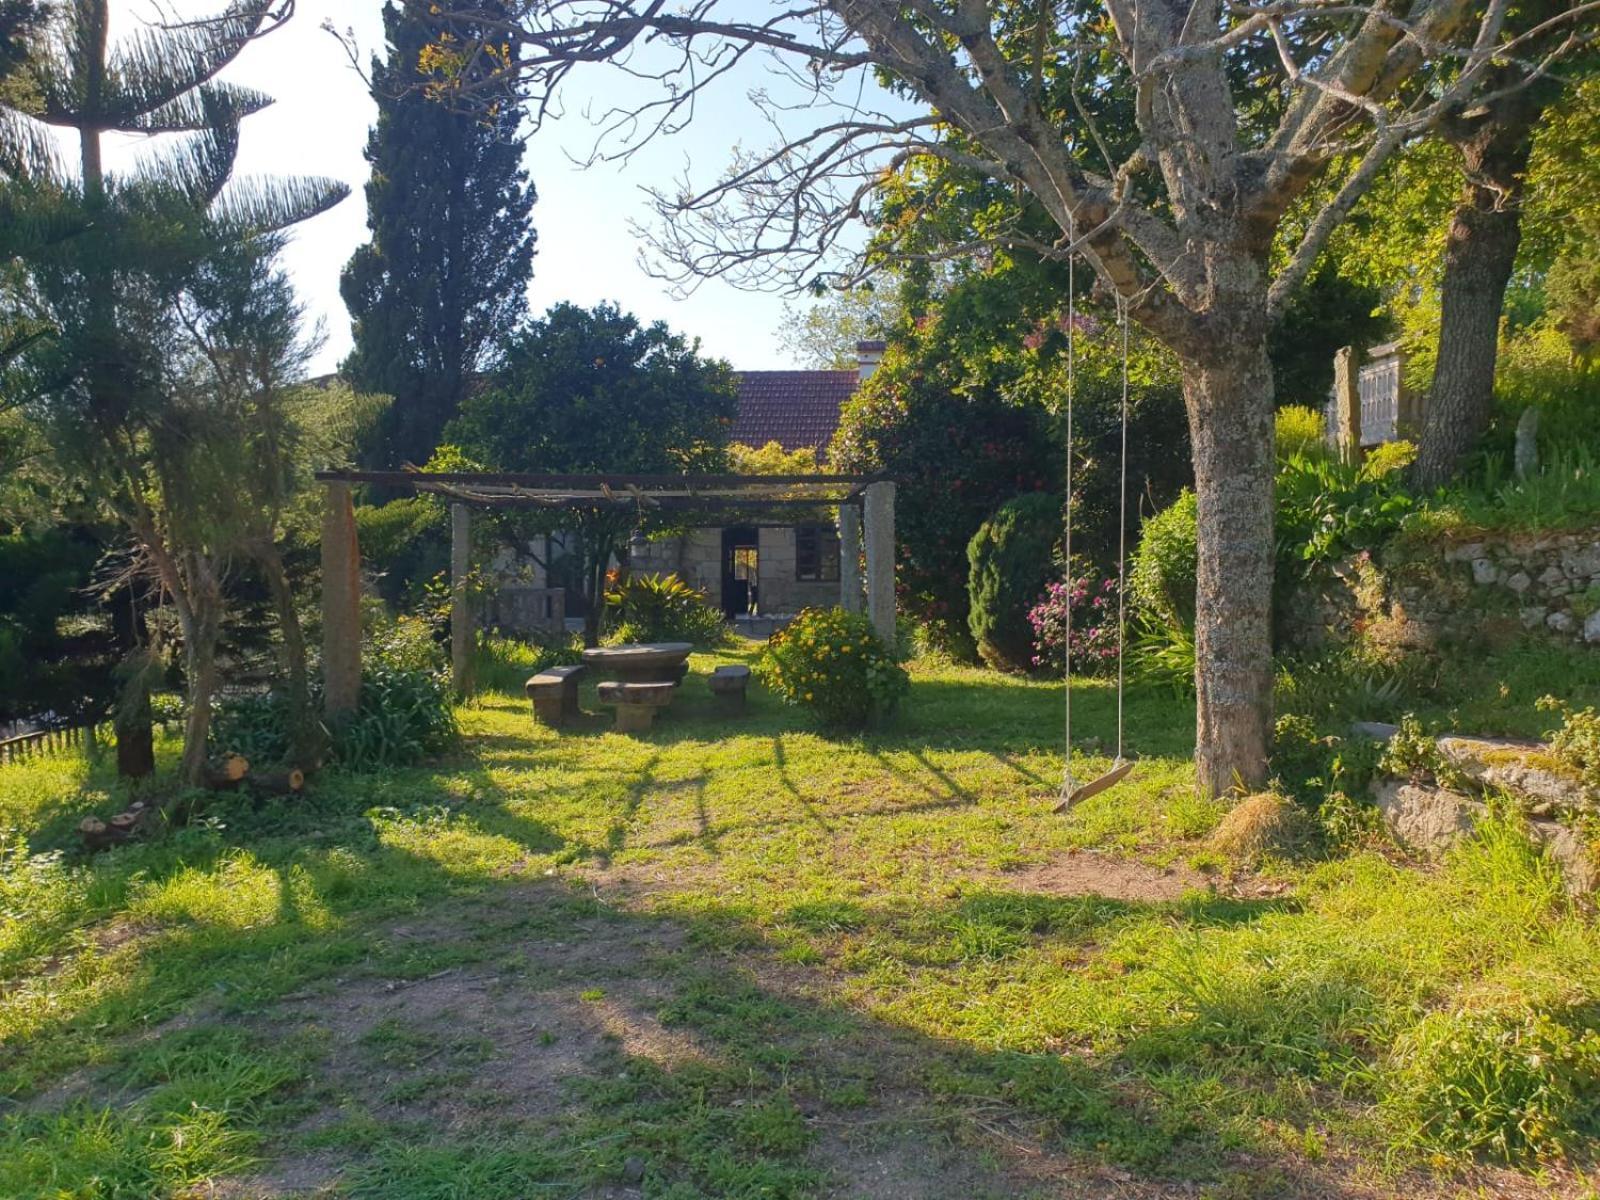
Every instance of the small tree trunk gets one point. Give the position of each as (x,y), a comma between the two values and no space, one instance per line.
(594,582)
(1229,399)
(132,722)
(200,608)
(1485,232)
(131,719)
(305,731)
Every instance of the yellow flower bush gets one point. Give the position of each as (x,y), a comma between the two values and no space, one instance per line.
(833,663)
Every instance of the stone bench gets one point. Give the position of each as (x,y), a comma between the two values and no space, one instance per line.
(554,692)
(637,703)
(728,684)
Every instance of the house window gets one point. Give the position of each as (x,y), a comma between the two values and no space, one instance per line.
(816,554)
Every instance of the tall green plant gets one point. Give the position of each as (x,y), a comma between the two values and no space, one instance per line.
(1010,559)
(593,390)
(444,279)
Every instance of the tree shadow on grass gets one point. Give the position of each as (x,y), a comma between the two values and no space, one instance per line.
(688,1047)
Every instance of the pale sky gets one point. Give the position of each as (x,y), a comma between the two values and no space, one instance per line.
(586,252)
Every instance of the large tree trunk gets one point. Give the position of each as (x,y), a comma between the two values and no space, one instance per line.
(1228,393)
(1485,232)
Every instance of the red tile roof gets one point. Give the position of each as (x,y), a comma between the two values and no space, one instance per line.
(796,409)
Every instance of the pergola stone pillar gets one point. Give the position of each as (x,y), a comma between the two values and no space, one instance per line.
(1347,403)
(850,558)
(341,603)
(461,622)
(878,519)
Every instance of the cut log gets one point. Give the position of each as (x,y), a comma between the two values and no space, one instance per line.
(279,783)
(226,773)
(94,833)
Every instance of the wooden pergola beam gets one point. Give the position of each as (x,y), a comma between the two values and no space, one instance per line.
(592,482)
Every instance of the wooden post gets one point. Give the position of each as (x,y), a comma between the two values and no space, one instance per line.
(878,518)
(1347,403)
(850,558)
(341,603)
(461,622)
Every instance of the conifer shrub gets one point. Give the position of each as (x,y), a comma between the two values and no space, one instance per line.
(1010,560)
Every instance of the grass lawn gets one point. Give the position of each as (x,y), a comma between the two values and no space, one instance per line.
(739,959)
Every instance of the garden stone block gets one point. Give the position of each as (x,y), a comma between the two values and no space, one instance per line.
(1428,820)
(1519,582)
(1483,572)
(1561,622)
(1581,562)
(1591,628)
(1533,616)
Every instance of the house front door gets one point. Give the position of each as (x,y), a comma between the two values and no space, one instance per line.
(740,571)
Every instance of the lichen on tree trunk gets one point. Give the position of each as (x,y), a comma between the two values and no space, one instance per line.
(1229,397)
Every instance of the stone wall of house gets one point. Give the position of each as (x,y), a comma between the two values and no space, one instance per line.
(696,558)
(1460,591)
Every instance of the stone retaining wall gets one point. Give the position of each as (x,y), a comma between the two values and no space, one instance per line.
(1554,580)
(1457,591)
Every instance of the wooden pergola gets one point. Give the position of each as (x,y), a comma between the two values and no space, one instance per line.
(864,503)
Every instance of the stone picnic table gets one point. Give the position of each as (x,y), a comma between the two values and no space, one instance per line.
(647,662)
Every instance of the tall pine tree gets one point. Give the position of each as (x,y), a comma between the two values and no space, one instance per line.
(446,274)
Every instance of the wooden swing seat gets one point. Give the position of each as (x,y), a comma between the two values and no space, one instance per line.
(1119,771)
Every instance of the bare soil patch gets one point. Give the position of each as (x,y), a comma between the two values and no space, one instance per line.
(1086,873)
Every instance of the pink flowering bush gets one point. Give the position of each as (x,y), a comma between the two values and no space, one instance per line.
(1094,626)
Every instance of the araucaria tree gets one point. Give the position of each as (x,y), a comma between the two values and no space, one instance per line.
(1237,107)
(122,378)
(445,276)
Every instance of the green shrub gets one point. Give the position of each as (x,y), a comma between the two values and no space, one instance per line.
(1328,509)
(1564,494)
(662,608)
(835,664)
(503,664)
(1299,430)
(402,643)
(1510,1085)
(404,712)
(254,725)
(1163,653)
(401,718)
(1576,744)
(404,543)
(1010,559)
(1161,578)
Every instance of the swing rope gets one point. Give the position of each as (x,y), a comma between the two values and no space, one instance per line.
(1071,791)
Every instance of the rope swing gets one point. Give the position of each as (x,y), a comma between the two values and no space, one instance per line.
(1073,792)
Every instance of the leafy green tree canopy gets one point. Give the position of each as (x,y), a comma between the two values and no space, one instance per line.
(592,390)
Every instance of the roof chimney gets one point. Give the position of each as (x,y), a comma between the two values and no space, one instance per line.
(868,356)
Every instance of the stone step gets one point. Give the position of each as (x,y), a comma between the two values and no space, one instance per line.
(1525,769)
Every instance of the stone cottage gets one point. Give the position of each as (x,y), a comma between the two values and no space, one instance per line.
(770,570)
(754,572)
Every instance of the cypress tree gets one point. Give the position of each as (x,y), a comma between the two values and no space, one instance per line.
(445,277)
